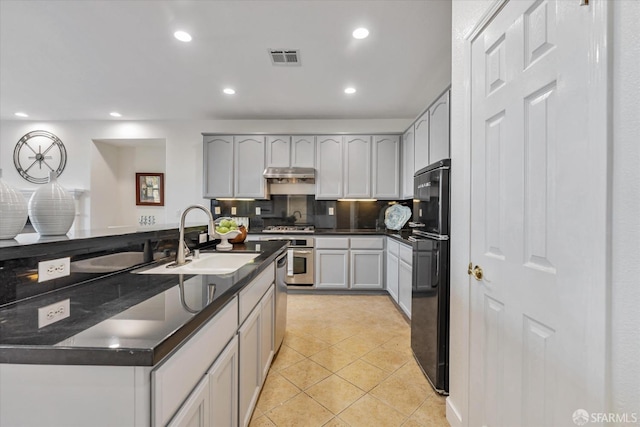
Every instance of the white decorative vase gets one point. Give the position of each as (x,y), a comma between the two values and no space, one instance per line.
(13,211)
(52,209)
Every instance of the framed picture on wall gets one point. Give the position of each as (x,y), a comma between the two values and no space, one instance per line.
(149,189)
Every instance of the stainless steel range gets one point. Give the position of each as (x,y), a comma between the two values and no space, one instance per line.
(300,256)
(288,229)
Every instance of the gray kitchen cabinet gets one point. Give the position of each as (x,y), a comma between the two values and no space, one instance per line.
(267,331)
(223,387)
(408,166)
(405,278)
(218,176)
(439,129)
(421,142)
(357,167)
(194,412)
(332,268)
(303,151)
(392,268)
(366,269)
(249,166)
(278,151)
(386,167)
(329,166)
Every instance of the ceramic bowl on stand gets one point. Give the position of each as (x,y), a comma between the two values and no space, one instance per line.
(224,245)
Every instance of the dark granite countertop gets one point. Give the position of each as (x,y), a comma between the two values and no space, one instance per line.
(400,235)
(126,319)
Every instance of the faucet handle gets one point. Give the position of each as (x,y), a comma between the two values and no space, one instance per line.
(187,251)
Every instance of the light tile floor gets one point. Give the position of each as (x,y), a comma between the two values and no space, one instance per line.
(346,361)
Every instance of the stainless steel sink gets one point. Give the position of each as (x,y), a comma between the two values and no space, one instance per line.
(208,263)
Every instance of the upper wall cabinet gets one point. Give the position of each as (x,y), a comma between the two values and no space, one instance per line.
(421,142)
(407,164)
(439,129)
(386,167)
(329,167)
(290,151)
(303,151)
(218,167)
(357,167)
(278,151)
(233,166)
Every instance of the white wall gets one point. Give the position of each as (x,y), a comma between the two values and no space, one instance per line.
(183,176)
(465,14)
(625,232)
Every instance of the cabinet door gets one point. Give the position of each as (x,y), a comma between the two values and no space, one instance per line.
(223,387)
(250,369)
(366,269)
(404,287)
(386,167)
(267,330)
(357,167)
(303,151)
(392,276)
(421,142)
(278,151)
(408,167)
(249,166)
(329,167)
(332,269)
(195,410)
(218,167)
(439,129)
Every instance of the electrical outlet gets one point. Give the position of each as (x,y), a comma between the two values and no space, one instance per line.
(216,210)
(53,313)
(330,211)
(203,238)
(233,210)
(49,270)
(258,210)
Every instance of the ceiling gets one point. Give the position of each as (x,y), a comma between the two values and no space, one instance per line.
(81,60)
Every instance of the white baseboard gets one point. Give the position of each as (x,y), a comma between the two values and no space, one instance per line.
(453,415)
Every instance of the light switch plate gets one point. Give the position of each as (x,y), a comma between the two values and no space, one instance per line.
(53,313)
(203,238)
(216,210)
(53,269)
(233,210)
(330,211)
(258,210)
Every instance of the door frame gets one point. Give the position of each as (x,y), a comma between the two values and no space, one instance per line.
(599,153)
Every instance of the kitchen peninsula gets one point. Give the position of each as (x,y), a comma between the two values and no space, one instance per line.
(120,356)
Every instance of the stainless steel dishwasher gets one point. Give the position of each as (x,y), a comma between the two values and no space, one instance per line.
(281,299)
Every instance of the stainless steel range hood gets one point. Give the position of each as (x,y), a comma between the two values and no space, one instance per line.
(291,181)
(289,173)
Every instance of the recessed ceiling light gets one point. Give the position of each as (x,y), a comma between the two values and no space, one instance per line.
(350,90)
(229,91)
(360,33)
(21,114)
(115,114)
(182,36)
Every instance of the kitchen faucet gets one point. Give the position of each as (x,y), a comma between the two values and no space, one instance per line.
(181,243)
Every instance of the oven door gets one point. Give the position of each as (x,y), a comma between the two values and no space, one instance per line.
(300,270)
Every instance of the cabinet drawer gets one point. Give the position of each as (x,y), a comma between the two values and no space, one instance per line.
(171,383)
(332,243)
(367,243)
(250,295)
(406,254)
(392,246)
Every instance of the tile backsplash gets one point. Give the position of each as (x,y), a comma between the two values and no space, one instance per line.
(306,210)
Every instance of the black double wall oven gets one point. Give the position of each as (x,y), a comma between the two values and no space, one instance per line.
(430,282)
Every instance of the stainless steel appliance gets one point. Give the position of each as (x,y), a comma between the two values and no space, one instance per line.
(430,283)
(300,259)
(281,299)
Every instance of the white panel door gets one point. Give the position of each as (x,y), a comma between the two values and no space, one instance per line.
(303,151)
(249,166)
(194,412)
(357,167)
(218,167)
(386,167)
(439,129)
(329,167)
(421,142)
(408,166)
(223,387)
(530,218)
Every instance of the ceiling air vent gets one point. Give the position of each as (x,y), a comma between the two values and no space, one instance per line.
(284,57)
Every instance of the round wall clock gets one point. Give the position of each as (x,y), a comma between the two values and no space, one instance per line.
(37,153)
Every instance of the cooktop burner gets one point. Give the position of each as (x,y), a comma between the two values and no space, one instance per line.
(288,229)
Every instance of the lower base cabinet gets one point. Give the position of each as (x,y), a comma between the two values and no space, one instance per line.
(405,278)
(223,388)
(196,410)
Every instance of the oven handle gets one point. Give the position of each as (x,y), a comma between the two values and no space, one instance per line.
(296,252)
